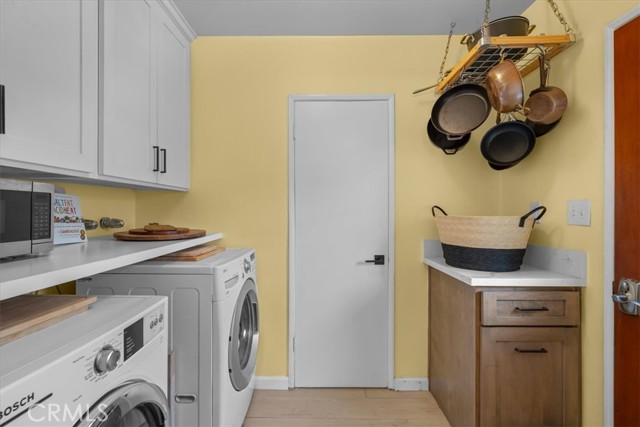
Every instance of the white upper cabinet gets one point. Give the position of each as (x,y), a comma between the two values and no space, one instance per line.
(174,55)
(145,94)
(96,91)
(49,70)
(127,88)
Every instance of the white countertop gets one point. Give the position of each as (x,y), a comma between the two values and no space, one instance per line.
(73,261)
(543,267)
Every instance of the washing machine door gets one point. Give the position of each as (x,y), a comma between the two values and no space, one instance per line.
(133,404)
(243,337)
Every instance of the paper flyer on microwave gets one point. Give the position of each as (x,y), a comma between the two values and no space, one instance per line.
(67,220)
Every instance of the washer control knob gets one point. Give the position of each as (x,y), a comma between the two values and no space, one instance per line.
(106,360)
(247,266)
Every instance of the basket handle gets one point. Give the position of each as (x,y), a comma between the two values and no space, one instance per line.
(528,214)
(433,210)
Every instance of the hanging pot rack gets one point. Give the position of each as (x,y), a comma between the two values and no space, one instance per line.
(524,51)
(473,68)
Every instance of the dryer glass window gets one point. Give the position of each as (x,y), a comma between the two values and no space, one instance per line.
(243,337)
(245,333)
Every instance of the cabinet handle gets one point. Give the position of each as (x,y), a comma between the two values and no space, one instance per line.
(156,158)
(1,109)
(531,309)
(163,151)
(537,350)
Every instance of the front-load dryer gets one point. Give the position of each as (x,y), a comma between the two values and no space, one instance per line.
(104,367)
(213,337)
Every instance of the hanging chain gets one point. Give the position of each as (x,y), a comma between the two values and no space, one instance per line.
(556,11)
(485,20)
(446,51)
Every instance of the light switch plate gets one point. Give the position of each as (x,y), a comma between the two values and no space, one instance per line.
(579,212)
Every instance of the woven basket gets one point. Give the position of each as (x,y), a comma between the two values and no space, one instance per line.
(486,243)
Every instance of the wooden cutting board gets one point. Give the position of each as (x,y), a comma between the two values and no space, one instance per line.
(192,254)
(147,236)
(26,314)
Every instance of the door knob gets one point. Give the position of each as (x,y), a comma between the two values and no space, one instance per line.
(627,296)
(377,260)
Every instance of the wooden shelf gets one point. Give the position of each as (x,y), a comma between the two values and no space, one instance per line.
(523,50)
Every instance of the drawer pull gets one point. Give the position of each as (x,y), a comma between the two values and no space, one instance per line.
(539,350)
(531,309)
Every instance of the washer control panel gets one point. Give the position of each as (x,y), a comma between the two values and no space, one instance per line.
(115,349)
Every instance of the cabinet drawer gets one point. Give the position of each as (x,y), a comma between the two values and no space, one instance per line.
(530,308)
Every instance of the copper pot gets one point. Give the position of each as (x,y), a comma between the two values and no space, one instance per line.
(505,87)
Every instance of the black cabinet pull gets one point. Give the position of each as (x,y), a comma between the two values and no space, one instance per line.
(163,151)
(1,109)
(536,350)
(156,158)
(531,309)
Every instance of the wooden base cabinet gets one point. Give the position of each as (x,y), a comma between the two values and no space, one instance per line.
(504,357)
(529,376)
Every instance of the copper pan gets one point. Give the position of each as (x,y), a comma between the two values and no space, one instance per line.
(546,104)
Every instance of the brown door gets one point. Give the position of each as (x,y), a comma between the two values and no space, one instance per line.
(627,218)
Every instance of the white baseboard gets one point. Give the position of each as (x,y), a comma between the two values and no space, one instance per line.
(271,383)
(411,384)
(400,384)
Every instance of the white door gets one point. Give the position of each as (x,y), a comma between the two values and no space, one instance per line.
(342,198)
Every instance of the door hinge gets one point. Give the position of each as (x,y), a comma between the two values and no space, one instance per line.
(294,133)
(294,344)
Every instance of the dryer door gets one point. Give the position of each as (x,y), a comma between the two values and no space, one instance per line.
(243,337)
(133,404)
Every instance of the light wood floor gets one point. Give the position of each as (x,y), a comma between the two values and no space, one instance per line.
(343,408)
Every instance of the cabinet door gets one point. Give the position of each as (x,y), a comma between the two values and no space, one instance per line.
(173,103)
(128,90)
(530,376)
(49,67)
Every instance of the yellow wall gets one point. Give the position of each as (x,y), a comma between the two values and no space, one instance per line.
(240,89)
(239,157)
(97,202)
(568,164)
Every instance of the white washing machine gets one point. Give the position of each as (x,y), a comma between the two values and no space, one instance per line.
(104,367)
(213,315)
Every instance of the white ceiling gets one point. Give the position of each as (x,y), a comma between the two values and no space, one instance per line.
(340,17)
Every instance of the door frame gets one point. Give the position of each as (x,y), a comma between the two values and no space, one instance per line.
(609,211)
(390,99)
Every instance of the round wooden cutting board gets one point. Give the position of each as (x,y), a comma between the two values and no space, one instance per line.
(140,234)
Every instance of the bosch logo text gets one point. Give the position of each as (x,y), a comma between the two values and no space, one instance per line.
(17,405)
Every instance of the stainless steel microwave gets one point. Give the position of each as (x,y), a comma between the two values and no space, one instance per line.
(26,218)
